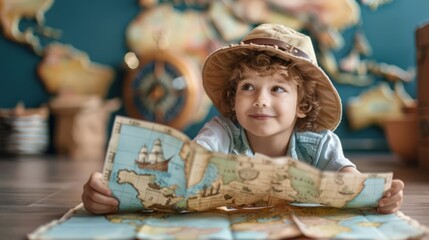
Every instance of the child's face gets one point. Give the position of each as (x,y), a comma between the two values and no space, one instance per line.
(266,105)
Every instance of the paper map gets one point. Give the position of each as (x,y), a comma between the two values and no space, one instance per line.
(152,166)
(280,222)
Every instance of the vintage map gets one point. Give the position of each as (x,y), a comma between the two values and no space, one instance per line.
(281,222)
(152,166)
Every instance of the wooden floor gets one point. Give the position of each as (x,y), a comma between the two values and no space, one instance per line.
(37,190)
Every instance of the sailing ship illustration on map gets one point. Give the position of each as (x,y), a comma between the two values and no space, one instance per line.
(154,159)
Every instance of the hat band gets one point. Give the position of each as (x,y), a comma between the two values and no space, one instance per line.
(280,45)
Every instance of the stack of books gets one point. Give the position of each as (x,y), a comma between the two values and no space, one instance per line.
(24,131)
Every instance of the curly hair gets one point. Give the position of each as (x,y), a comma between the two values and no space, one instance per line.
(266,63)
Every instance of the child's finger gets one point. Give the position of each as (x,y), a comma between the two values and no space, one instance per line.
(389,201)
(97,208)
(397,186)
(392,203)
(389,206)
(388,209)
(96,182)
(101,198)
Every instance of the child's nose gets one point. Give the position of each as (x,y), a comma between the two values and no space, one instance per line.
(261,100)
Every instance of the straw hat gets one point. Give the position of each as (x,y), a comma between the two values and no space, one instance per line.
(285,43)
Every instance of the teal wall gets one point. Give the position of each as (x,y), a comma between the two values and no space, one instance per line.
(97,27)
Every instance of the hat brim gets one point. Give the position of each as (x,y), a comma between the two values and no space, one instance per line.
(215,80)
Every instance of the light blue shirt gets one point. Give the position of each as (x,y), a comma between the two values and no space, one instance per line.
(320,149)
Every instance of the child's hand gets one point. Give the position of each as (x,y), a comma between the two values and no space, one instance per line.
(97,197)
(392,199)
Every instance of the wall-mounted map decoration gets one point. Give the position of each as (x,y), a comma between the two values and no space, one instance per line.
(187,31)
(166,87)
(66,69)
(13,11)
(376,105)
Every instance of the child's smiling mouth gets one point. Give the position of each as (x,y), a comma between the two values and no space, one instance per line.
(261,116)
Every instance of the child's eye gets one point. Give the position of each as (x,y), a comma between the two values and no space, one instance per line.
(278,89)
(247,87)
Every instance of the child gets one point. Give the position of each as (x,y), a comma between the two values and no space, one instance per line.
(273,100)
